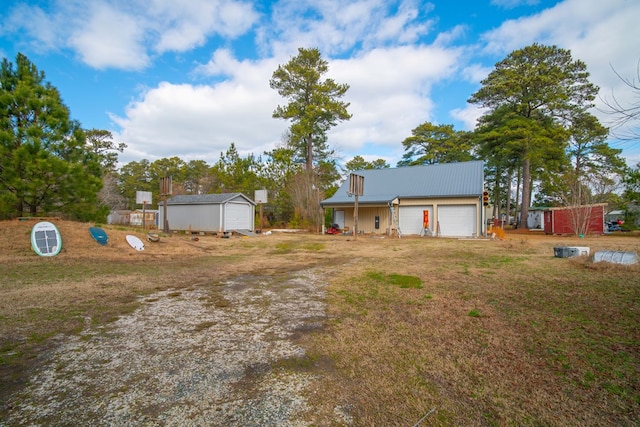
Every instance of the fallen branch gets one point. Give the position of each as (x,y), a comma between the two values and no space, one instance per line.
(423,418)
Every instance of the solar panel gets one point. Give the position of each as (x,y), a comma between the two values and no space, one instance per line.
(46,241)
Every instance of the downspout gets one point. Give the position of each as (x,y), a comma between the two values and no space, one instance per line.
(390,219)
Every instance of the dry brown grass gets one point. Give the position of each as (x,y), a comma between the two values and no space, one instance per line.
(500,333)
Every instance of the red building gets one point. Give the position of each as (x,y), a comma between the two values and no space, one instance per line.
(578,220)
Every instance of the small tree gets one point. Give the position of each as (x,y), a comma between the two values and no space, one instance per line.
(101,144)
(431,144)
(359,163)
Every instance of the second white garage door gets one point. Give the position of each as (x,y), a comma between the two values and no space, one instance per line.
(457,221)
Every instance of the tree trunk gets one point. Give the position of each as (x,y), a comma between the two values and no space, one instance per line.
(309,153)
(516,213)
(20,206)
(508,191)
(497,195)
(526,192)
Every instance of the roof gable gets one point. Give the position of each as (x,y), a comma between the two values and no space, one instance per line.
(430,181)
(207,199)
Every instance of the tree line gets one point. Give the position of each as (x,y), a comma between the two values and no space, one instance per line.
(536,136)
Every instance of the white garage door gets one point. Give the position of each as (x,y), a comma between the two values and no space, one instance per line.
(410,218)
(237,217)
(457,221)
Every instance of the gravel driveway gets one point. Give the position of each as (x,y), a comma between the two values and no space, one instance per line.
(220,354)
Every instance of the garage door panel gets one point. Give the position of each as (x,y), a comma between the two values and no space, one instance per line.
(457,220)
(410,218)
(237,217)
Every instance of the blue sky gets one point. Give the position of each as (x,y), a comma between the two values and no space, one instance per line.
(189,78)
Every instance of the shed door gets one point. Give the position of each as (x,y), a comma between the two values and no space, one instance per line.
(237,217)
(457,220)
(410,218)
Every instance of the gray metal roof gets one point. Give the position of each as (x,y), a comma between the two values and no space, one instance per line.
(200,199)
(442,180)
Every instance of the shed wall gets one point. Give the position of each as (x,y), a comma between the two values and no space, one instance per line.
(559,221)
(205,218)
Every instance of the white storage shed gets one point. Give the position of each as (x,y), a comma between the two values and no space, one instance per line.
(212,213)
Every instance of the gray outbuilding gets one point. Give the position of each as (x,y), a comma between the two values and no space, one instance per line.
(209,213)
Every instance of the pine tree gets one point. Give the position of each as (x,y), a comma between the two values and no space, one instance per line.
(45,167)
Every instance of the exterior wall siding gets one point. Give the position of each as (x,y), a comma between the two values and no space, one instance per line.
(559,221)
(204,218)
(366,219)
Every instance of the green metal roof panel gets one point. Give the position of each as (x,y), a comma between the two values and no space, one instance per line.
(442,180)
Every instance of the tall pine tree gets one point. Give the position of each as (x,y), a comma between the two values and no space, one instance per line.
(544,88)
(45,167)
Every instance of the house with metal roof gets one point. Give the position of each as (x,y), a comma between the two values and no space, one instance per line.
(217,213)
(439,200)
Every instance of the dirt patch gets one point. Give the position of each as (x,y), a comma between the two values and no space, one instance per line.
(182,360)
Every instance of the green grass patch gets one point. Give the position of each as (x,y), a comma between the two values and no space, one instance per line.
(474,313)
(313,246)
(400,280)
(284,248)
(292,246)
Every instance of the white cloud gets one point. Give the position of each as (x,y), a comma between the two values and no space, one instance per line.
(468,115)
(475,73)
(336,27)
(123,34)
(100,45)
(42,31)
(185,25)
(199,122)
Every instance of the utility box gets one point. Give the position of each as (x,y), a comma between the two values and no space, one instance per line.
(570,251)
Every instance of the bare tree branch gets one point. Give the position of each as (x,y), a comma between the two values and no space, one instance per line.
(624,114)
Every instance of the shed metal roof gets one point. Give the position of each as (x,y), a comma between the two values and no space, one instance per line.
(206,199)
(442,180)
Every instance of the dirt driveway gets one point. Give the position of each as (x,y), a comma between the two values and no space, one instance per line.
(215,355)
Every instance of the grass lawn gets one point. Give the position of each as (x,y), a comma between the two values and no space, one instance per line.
(464,332)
